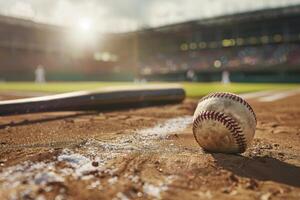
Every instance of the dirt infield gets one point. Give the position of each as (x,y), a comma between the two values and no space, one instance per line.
(147,153)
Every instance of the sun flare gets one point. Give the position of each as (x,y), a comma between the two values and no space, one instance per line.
(85,24)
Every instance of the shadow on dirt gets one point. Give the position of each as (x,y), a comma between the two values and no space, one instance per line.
(44,119)
(260,168)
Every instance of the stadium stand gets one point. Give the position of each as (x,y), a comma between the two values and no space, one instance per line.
(254,46)
(260,45)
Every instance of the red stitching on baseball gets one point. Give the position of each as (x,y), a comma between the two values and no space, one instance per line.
(232,97)
(227,121)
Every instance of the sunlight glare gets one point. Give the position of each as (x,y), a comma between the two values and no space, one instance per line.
(85,24)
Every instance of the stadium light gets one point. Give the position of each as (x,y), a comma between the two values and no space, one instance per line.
(217,63)
(264,39)
(277,38)
(184,47)
(193,45)
(202,45)
(228,42)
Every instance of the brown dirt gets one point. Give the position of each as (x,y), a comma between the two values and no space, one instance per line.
(92,155)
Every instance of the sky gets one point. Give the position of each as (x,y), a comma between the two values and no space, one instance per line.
(128,15)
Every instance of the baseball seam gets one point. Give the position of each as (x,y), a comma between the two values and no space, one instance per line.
(231,97)
(228,122)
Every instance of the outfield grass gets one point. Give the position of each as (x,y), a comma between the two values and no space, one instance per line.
(201,89)
(192,89)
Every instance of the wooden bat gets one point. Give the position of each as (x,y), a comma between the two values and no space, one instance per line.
(104,99)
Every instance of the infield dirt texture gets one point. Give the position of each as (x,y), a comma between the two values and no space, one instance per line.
(147,153)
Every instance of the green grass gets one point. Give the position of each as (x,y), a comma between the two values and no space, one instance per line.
(192,89)
(201,89)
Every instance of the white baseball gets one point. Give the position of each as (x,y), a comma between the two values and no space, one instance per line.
(224,122)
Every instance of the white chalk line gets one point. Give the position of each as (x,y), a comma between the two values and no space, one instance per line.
(253,95)
(279,95)
(269,96)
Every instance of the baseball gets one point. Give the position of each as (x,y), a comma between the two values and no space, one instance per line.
(224,122)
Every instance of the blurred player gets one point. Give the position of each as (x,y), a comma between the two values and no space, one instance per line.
(40,74)
(225,77)
(191,75)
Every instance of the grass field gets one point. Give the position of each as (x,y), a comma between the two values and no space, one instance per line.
(192,89)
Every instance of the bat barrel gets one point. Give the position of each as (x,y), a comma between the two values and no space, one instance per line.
(109,99)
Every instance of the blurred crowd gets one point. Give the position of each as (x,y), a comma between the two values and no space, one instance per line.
(249,57)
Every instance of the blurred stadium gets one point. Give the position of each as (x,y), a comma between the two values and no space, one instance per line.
(255,46)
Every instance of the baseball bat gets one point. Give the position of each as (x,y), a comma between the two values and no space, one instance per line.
(104,99)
